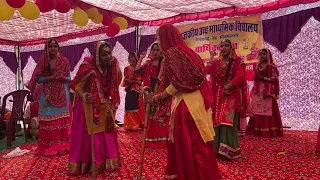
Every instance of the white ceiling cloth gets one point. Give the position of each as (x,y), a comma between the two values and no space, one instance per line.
(55,24)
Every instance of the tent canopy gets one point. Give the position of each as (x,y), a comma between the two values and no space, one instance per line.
(21,31)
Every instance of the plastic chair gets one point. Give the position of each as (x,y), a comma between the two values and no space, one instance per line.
(19,101)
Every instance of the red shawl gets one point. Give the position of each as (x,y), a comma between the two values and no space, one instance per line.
(129,73)
(271,88)
(183,67)
(242,96)
(149,71)
(54,90)
(164,107)
(103,87)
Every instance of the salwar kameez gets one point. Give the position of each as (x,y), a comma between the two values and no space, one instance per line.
(266,120)
(49,85)
(54,126)
(157,130)
(134,109)
(227,110)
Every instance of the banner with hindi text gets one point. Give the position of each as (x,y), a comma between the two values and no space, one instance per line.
(244,32)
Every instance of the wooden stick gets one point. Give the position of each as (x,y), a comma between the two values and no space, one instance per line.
(143,141)
(93,169)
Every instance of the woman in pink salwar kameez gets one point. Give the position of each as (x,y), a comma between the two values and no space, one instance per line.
(266,119)
(97,87)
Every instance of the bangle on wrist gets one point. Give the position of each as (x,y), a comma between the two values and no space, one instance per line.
(162,96)
(156,98)
(159,97)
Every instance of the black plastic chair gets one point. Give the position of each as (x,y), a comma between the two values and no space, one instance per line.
(19,99)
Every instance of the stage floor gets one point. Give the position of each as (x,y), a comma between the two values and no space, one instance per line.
(290,157)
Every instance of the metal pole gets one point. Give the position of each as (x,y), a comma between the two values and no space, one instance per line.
(19,79)
(138,36)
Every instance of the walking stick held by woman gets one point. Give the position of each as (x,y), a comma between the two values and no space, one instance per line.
(144,134)
(89,102)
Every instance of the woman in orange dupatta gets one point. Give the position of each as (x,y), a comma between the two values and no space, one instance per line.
(183,77)
(134,105)
(53,72)
(97,90)
(266,120)
(230,99)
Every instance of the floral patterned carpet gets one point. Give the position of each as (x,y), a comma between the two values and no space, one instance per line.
(290,157)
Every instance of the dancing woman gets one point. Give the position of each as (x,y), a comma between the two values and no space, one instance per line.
(97,90)
(266,120)
(229,89)
(134,108)
(53,73)
(190,151)
(158,128)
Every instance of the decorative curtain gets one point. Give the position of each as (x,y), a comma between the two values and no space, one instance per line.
(282,30)
(74,52)
(8,66)
(146,41)
(278,31)
(10,60)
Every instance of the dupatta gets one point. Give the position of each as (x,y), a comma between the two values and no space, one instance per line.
(54,91)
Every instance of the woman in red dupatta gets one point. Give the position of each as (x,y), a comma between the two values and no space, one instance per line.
(97,95)
(266,120)
(230,100)
(190,151)
(134,105)
(53,73)
(157,128)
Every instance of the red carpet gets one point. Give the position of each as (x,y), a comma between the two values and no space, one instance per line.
(260,160)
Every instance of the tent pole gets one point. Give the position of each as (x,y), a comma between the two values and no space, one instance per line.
(19,81)
(138,36)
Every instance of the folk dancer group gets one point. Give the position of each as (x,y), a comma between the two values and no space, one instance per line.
(193,117)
